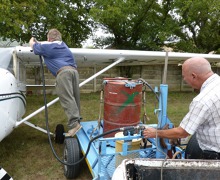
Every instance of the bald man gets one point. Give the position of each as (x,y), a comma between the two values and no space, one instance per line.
(204,111)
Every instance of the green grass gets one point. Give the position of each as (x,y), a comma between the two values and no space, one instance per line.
(25,154)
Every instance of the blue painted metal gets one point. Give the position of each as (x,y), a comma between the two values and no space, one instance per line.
(162,120)
(101,158)
(84,138)
(102,154)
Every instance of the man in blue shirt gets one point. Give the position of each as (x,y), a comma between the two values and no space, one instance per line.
(60,62)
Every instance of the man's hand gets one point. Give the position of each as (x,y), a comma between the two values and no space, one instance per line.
(32,42)
(149,132)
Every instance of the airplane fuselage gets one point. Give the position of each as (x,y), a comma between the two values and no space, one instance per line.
(12,102)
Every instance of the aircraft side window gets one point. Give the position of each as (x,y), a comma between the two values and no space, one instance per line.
(6,59)
(10,67)
(22,72)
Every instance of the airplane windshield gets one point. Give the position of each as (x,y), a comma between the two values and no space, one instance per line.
(6,60)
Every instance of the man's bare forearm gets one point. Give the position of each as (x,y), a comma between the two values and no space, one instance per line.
(173,133)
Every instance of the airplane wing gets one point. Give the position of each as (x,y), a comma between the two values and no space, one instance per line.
(23,56)
(88,57)
(109,58)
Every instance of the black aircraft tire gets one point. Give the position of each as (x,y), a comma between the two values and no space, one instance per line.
(59,136)
(71,155)
(193,150)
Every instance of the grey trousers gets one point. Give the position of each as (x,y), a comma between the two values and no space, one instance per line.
(67,89)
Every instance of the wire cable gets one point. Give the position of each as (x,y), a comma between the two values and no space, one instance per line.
(48,129)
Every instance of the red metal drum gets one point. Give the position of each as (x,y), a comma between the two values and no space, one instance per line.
(122,103)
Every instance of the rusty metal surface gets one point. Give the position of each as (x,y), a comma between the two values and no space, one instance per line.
(172,169)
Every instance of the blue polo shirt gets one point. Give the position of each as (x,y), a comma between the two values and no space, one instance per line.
(56,55)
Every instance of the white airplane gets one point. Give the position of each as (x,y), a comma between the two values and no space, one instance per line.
(13,63)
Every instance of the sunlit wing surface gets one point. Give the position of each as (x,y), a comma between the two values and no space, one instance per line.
(16,59)
(88,57)
(13,62)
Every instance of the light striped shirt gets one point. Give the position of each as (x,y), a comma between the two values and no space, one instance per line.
(204,115)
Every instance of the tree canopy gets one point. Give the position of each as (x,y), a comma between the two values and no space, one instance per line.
(22,19)
(190,25)
(134,24)
(187,26)
(200,25)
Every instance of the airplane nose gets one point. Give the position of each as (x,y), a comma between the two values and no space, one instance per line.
(7,82)
(12,103)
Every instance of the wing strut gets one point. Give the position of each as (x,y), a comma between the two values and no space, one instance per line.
(36,127)
(80,85)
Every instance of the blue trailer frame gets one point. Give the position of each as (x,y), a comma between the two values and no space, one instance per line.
(102,156)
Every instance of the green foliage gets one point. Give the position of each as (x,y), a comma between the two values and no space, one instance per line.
(134,24)
(25,18)
(186,26)
(199,22)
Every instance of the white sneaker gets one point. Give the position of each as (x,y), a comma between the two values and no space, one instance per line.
(73,131)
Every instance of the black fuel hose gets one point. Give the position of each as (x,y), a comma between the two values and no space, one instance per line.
(148,85)
(90,142)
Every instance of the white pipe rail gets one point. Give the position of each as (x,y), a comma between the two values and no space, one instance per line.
(80,85)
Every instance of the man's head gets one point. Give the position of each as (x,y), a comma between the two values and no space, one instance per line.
(195,71)
(54,35)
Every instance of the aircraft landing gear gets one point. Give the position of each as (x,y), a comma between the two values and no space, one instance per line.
(59,134)
(72,154)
